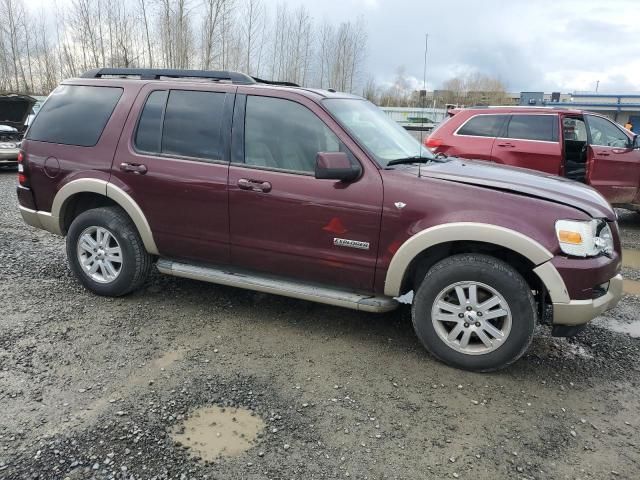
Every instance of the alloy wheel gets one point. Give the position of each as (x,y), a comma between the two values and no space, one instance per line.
(99,254)
(471,317)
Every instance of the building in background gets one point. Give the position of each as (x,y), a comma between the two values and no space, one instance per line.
(622,108)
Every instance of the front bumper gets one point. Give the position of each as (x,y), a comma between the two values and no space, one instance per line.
(578,312)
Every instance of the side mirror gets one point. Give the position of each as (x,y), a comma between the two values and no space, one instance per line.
(336,166)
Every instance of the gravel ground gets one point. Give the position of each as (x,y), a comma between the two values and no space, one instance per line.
(90,387)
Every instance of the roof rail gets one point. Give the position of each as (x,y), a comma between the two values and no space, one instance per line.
(273,82)
(158,73)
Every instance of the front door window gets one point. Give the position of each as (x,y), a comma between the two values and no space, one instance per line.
(281,134)
(604,133)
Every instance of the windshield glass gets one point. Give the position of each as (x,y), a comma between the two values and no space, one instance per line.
(375,131)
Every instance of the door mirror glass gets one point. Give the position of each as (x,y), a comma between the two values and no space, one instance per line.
(336,166)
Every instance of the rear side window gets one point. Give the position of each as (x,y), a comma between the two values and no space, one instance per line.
(483,126)
(150,125)
(533,127)
(75,115)
(192,124)
(187,124)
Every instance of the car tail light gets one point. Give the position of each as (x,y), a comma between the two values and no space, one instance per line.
(433,142)
(23,178)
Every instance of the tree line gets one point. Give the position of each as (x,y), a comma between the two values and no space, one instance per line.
(276,42)
(472,89)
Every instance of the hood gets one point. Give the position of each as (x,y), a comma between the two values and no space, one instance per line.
(15,109)
(524,182)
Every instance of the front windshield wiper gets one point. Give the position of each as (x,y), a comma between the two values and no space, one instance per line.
(414,159)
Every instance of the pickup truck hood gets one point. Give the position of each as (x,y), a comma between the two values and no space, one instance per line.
(14,110)
(524,182)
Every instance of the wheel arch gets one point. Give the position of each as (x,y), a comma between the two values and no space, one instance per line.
(432,244)
(91,192)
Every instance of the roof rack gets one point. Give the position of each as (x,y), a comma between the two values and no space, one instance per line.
(157,74)
(273,82)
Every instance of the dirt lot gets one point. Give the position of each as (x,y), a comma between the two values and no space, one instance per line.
(94,387)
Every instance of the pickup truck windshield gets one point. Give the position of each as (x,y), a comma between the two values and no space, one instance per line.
(387,141)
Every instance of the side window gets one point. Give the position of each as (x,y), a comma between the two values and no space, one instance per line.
(533,127)
(192,124)
(148,134)
(605,133)
(483,126)
(75,115)
(574,129)
(286,135)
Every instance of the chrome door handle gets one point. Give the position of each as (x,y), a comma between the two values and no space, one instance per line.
(254,185)
(137,168)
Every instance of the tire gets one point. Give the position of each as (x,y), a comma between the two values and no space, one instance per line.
(514,316)
(129,268)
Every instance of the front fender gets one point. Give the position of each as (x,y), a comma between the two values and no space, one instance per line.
(455,232)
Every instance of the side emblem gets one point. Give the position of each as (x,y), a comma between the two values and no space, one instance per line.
(343,242)
(400,205)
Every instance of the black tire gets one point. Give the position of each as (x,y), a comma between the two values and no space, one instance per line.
(136,262)
(499,276)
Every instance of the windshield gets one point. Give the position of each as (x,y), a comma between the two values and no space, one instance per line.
(375,131)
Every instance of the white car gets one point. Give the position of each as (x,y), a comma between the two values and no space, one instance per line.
(14,113)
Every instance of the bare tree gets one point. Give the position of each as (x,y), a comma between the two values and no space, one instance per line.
(252,26)
(473,89)
(263,39)
(145,20)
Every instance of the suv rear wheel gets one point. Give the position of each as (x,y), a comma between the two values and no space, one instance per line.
(106,253)
(474,312)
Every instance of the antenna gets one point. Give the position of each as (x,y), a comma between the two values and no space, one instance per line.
(423,97)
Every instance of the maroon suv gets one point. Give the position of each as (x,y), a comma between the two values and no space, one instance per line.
(316,195)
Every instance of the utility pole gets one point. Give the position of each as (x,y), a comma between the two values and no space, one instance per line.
(597,85)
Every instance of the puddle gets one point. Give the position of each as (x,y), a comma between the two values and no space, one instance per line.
(631,258)
(632,287)
(211,432)
(630,328)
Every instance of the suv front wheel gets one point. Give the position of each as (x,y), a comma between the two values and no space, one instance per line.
(106,253)
(474,312)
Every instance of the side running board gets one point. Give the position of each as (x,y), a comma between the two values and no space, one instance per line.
(277,286)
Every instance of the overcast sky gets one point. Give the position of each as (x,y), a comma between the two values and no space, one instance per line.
(550,45)
(564,45)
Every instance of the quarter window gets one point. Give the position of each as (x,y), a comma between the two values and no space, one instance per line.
(533,127)
(150,125)
(483,126)
(285,135)
(605,133)
(75,115)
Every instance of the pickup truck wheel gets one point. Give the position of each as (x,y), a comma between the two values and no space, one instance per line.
(474,312)
(106,253)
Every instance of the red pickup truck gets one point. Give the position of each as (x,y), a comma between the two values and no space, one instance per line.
(575,144)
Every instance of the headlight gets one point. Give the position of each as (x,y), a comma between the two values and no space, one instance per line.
(584,239)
